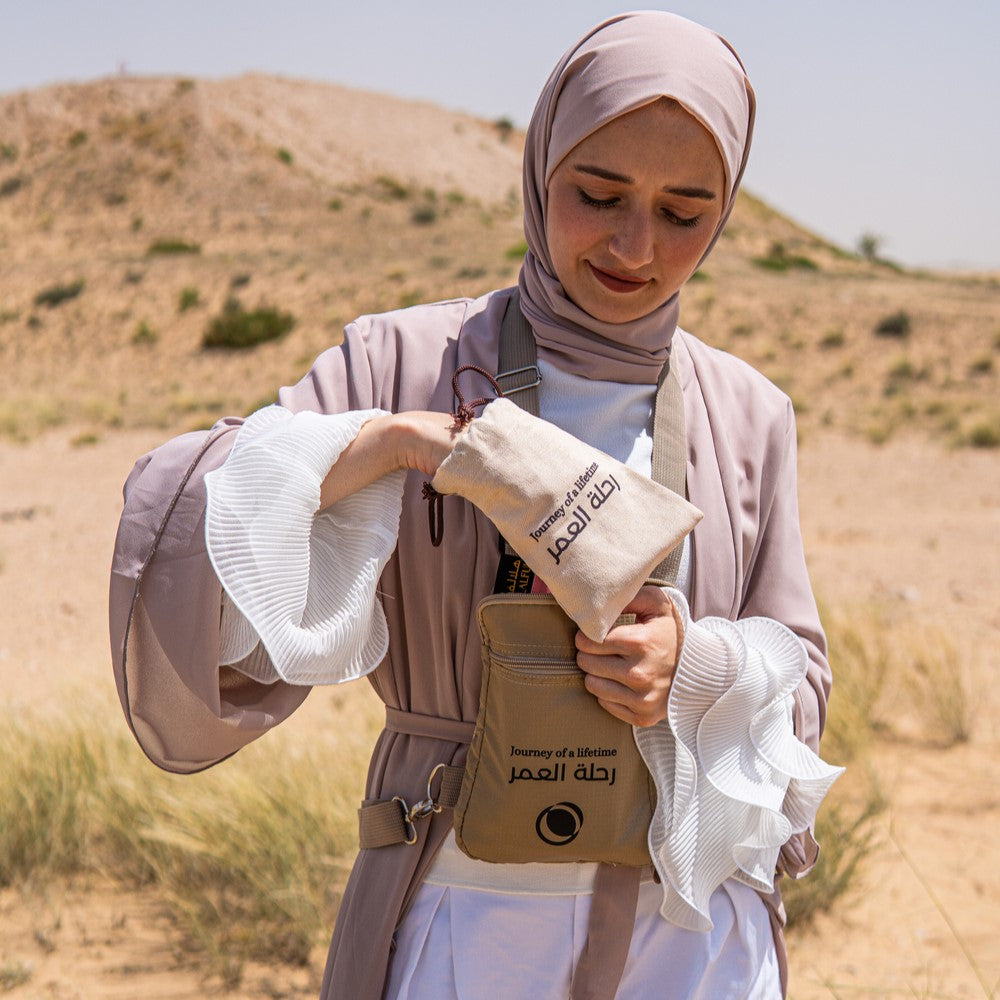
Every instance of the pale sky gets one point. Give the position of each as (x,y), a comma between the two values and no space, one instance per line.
(874,116)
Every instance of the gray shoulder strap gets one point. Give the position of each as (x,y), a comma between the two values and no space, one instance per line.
(519,378)
(517,370)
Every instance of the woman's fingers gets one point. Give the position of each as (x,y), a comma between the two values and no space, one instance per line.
(631,671)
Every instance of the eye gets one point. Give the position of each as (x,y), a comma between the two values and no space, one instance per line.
(678,220)
(596,202)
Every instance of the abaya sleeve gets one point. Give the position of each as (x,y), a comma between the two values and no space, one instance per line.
(186,711)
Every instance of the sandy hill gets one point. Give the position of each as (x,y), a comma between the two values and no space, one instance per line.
(217,144)
(325,202)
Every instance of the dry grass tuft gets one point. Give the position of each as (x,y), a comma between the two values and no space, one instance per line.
(892,681)
(250,857)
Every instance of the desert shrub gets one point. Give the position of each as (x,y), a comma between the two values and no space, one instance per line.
(188,299)
(896,324)
(779,259)
(55,295)
(78,138)
(236,328)
(869,246)
(424,214)
(143,334)
(981,366)
(389,187)
(172,246)
(985,434)
(15,973)
(249,858)
(517,251)
(285,156)
(8,316)
(12,185)
(847,834)
(334,205)
(8,152)
(240,280)
(831,339)
(504,127)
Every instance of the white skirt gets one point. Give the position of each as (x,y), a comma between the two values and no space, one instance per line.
(461,943)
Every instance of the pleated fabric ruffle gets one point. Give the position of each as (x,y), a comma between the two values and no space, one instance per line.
(733,781)
(305,580)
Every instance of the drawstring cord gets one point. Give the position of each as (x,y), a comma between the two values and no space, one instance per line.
(464,414)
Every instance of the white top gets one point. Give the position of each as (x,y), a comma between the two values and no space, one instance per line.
(733,782)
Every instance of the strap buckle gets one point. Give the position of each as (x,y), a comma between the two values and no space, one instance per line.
(420,809)
(520,371)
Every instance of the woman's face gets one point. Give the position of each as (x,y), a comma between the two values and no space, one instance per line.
(632,209)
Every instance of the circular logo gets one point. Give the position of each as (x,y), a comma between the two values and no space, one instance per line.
(559,824)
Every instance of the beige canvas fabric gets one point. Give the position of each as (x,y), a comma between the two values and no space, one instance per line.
(589,526)
(550,775)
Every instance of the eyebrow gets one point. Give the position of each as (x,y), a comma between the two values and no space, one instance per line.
(611,175)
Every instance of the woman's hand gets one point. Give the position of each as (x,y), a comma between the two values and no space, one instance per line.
(417,439)
(631,671)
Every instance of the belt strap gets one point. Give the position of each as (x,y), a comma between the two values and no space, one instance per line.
(416,724)
(609,933)
(386,822)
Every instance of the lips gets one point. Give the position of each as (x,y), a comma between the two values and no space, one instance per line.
(617,282)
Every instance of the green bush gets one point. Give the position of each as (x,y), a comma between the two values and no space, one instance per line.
(896,324)
(172,246)
(78,138)
(188,299)
(285,156)
(236,328)
(11,186)
(389,187)
(779,259)
(517,251)
(424,214)
(984,435)
(143,334)
(504,127)
(55,295)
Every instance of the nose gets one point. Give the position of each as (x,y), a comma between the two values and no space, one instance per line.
(632,241)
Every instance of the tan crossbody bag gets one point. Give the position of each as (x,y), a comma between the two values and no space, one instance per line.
(551,776)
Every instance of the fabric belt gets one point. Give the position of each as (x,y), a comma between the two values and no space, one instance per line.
(416,724)
(386,822)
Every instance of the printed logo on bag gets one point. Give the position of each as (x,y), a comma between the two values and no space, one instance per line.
(559,824)
(584,499)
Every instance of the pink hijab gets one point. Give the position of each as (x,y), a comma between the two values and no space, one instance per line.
(619,66)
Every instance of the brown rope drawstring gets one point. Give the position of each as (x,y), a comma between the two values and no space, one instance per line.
(435,513)
(464,414)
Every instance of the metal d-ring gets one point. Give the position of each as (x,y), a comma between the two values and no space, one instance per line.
(420,809)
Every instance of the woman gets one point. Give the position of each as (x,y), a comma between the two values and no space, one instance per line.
(633,158)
